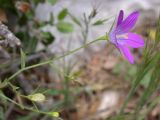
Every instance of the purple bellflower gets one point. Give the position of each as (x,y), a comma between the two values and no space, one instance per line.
(122,38)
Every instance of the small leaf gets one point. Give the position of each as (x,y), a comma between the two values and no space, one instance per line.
(74,76)
(62,14)
(52,1)
(65,27)
(77,74)
(100,22)
(75,20)
(48,38)
(93,13)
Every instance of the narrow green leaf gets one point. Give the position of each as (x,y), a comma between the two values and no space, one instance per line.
(54,92)
(65,27)
(75,20)
(157,37)
(100,22)
(151,106)
(143,70)
(32,44)
(62,14)
(146,79)
(152,86)
(51,21)
(23,59)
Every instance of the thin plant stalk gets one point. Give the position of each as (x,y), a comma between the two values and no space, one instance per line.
(53,59)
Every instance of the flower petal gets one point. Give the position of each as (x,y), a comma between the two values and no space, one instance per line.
(126,53)
(120,17)
(128,23)
(133,40)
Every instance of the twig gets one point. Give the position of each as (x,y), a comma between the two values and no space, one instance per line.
(9,37)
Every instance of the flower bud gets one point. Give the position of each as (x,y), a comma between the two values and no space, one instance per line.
(38,97)
(54,114)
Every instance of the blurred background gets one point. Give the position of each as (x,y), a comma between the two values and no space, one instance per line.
(91,84)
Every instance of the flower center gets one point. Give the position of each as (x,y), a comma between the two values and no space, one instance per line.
(124,36)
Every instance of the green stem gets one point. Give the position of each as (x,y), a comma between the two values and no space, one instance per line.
(5,97)
(21,106)
(51,60)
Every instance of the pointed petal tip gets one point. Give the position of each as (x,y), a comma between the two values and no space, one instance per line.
(131,61)
(136,13)
(121,11)
(126,53)
(127,24)
(120,17)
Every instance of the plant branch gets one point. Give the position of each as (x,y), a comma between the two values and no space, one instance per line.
(53,59)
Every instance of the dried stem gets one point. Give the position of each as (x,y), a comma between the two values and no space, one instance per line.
(9,37)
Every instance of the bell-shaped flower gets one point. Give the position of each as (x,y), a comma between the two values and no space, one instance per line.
(122,38)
